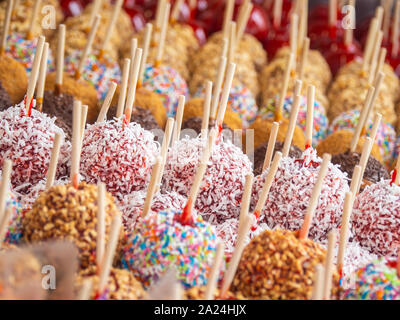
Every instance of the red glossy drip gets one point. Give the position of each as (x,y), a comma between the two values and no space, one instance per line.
(75,181)
(312,163)
(186,218)
(394,174)
(308,145)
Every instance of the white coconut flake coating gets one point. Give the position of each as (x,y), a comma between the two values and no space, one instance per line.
(120,155)
(376,218)
(227,232)
(132,204)
(222,186)
(355,257)
(27,201)
(290,194)
(27,142)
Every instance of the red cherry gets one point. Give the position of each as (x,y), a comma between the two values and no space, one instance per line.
(199,31)
(72,8)
(137,17)
(340,54)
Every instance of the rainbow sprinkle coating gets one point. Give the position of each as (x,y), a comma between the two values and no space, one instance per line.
(159,242)
(385,137)
(14,232)
(100,73)
(168,83)
(378,280)
(24,51)
(242,101)
(320,118)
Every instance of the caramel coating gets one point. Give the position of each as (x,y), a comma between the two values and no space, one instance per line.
(276,265)
(121,285)
(80,90)
(262,129)
(145,99)
(13,78)
(339,142)
(66,213)
(194,108)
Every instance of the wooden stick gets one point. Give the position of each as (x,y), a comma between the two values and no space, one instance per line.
(133,79)
(218,84)
(4,223)
(395,30)
(164,148)
(344,230)
(388,5)
(86,289)
(84,112)
(201,170)
(214,273)
(76,143)
(206,108)
(55,152)
(246,197)
(6,26)
(60,57)
(95,11)
(225,94)
(381,62)
(107,102)
(178,118)
(282,96)
(348,32)
(110,252)
(101,223)
(379,16)
(146,46)
(329,265)
(304,58)
(332,12)
(88,47)
(263,196)
(175,11)
(151,189)
(163,35)
(227,17)
(292,125)
(34,74)
(237,253)
(377,85)
(277,13)
(123,88)
(5,186)
(134,46)
(364,159)
(159,15)
(294,29)
(42,77)
(315,197)
(242,23)
(271,145)
(232,42)
(376,123)
(310,115)
(355,180)
(361,119)
(318,283)
(35,12)
(374,59)
(369,45)
(111,26)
